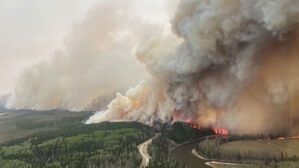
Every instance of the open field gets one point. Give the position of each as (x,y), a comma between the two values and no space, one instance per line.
(223,165)
(285,164)
(289,147)
(24,123)
(252,153)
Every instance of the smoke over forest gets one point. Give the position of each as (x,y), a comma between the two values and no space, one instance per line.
(226,64)
(98,60)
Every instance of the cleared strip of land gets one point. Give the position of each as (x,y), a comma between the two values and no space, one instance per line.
(287,147)
(280,153)
(143,150)
(144,154)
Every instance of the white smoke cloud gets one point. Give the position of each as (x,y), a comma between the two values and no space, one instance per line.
(209,68)
(226,63)
(97,61)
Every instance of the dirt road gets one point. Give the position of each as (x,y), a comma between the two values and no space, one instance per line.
(143,152)
(214,164)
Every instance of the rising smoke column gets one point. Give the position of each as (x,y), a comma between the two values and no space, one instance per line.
(97,61)
(232,64)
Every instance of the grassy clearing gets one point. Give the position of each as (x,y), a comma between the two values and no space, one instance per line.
(260,154)
(214,165)
(285,164)
(289,148)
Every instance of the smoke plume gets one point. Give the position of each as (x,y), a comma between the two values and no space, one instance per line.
(229,63)
(97,61)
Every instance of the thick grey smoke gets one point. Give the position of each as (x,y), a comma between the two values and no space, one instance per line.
(98,60)
(225,67)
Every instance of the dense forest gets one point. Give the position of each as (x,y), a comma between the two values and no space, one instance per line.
(181,132)
(159,151)
(107,145)
(62,140)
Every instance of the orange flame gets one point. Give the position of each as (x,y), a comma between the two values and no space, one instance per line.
(283,138)
(220,131)
(192,124)
(295,137)
(189,121)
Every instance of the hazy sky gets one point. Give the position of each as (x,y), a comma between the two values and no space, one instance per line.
(32,30)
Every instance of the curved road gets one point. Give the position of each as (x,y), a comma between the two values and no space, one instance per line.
(143,152)
(185,153)
(182,153)
(214,163)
